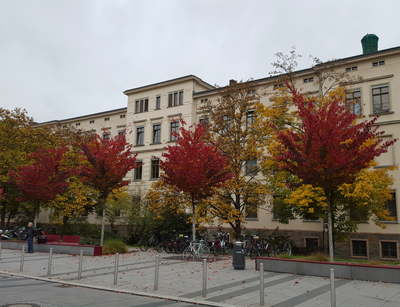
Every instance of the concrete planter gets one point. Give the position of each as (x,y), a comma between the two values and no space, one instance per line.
(342,270)
(88,250)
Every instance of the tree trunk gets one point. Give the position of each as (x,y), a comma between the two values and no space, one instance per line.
(330,226)
(194,220)
(3,215)
(103,222)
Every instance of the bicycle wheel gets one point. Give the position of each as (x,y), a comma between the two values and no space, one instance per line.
(168,247)
(188,254)
(204,252)
(143,245)
(254,252)
(214,251)
(287,249)
(160,247)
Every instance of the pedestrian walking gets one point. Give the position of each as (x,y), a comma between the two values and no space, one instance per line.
(31,235)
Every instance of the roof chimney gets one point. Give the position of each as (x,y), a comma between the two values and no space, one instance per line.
(232,82)
(369,43)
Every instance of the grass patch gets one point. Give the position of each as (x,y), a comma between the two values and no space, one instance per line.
(112,246)
(325,258)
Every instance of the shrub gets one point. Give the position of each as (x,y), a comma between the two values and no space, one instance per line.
(114,246)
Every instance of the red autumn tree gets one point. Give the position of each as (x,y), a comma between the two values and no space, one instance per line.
(106,163)
(330,150)
(194,166)
(43,180)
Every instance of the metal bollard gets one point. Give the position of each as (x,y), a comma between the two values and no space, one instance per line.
(21,268)
(204,277)
(156,274)
(50,259)
(333,294)
(0,251)
(261,284)
(80,265)
(116,269)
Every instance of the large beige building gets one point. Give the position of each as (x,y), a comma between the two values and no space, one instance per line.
(153,110)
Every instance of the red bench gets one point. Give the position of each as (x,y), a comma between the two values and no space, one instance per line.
(70,240)
(53,239)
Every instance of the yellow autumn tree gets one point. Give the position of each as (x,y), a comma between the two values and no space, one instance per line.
(232,127)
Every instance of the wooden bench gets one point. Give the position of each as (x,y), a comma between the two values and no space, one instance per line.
(53,239)
(70,240)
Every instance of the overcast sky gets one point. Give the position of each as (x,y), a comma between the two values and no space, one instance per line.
(66,58)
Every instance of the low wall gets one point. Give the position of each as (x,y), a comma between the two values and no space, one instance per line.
(342,270)
(88,250)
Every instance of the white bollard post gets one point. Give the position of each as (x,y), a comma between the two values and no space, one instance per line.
(156,274)
(261,284)
(80,266)
(50,259)
(333,294)
(116,269)
(21,267)
(204,277)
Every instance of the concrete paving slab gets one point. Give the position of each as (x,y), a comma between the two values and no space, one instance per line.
(182,281)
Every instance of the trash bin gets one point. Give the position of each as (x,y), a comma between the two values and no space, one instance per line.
(238,256)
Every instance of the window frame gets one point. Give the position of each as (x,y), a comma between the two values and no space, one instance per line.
(352,255)
(354,100)
(142,105)
(175,98)
(155,169)
(138,171)
(158,102)
(157,133)
(172,128)
(381,250)
(251,167)
(380,86)
(106,135)
(394,199)
(140,137)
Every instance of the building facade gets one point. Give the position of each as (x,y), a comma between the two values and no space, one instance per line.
(153,113)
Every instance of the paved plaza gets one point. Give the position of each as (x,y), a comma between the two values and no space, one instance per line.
(180,283)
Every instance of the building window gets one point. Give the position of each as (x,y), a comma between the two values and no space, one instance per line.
(155,169)
(174,128)
(388,249)
(204,121)
(77,124)
(92,121)
(156,133)
(351,68)
(378,63)
(138,171)
(391,206)
(250,119)
(106,119)
(308,80)
(106,135)
(121,135)
(251,209)
(353,101)
(359,248)
(175,98)
(204,100)
(251,167)
(122,116)
(312,243)
(158,102)
(140,136)
(380,99)
(141,105)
